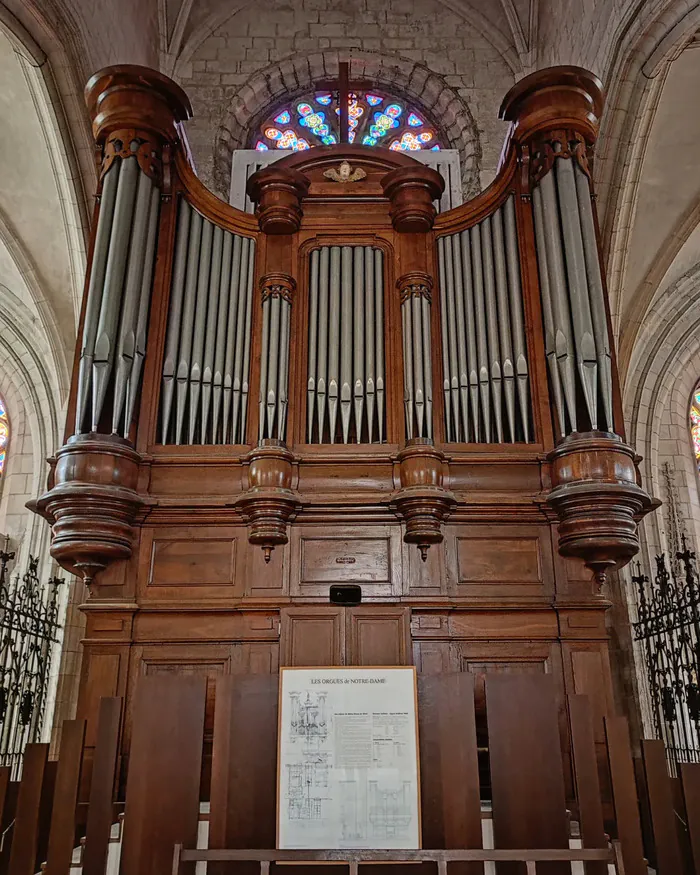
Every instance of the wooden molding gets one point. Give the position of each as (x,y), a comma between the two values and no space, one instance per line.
(411,191)
(278,193)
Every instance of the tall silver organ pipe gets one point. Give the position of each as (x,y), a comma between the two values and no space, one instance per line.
(119,294)
(207,351)
(484,352)
(577,342)
(416,292)
(345,383)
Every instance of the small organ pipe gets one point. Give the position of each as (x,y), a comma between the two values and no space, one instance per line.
(313,340)
(283,368)
(358,335)
(105,342)
(126,340)
(210,329)
(480,322)
(379,336)
(142,315)
(548,318)
(237,265)
(200,321)
(95,290)
(492,326)
(427,368)
(221,327)
(175,314)
(322,384)
(334,341)
(273,362)
(516,314)
(346,336)
(408,399)
(578,285)
(416,314)
(463,376)
(563,343)
(245,377)
(445,343)
(242,333)
(504,330)
(369,340)
(452,334)
(596,294)
(264,354)
(185,349)
(472,356)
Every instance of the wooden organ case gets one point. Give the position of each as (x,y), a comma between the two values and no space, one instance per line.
(345,388)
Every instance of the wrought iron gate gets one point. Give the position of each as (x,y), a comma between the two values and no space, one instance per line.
(29,628)
(668,627)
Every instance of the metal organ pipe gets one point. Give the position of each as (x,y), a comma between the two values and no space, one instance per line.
(575,315)
(207,351)
(480,271)
(346,345)
(417,349)
(119,292)
(276,302)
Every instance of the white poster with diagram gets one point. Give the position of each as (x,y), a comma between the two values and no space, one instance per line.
(347,764)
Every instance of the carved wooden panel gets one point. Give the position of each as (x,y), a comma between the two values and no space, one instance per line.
(432,657)
(265,579)
(189,562)
(312,636)
(591,674)
(511,561)
(366,555)
(100,677)
(378,636)
(424,578)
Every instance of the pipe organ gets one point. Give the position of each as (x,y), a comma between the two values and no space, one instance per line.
(344,388)
(207,346)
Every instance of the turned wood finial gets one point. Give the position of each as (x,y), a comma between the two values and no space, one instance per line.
(135,111)
(554,112)
(412,191)
(278,193)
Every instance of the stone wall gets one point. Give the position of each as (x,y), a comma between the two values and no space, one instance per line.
(417,48)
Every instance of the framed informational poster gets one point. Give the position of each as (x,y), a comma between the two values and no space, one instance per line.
(347,763)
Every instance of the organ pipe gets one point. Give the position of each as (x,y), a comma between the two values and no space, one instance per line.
(487,397)
(207,351)
(416,291)
(576,335)
(345,381)
(116,313)
(277,291)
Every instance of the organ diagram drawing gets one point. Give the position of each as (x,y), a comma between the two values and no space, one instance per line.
(348,770)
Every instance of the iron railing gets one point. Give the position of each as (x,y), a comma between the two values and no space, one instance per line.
(668,628)
(28,635)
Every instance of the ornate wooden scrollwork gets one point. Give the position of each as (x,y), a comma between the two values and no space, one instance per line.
(133,143)
(277,285)
(415,284)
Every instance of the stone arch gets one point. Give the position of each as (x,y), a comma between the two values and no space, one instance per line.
(664,369)
(295,76)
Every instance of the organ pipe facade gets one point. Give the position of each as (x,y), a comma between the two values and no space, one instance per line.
(344,389)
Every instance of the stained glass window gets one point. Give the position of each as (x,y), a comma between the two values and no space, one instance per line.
(695,423)
(374,119)
(4,435)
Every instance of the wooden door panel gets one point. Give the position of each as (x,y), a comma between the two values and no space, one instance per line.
(312,636)
(378,636)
